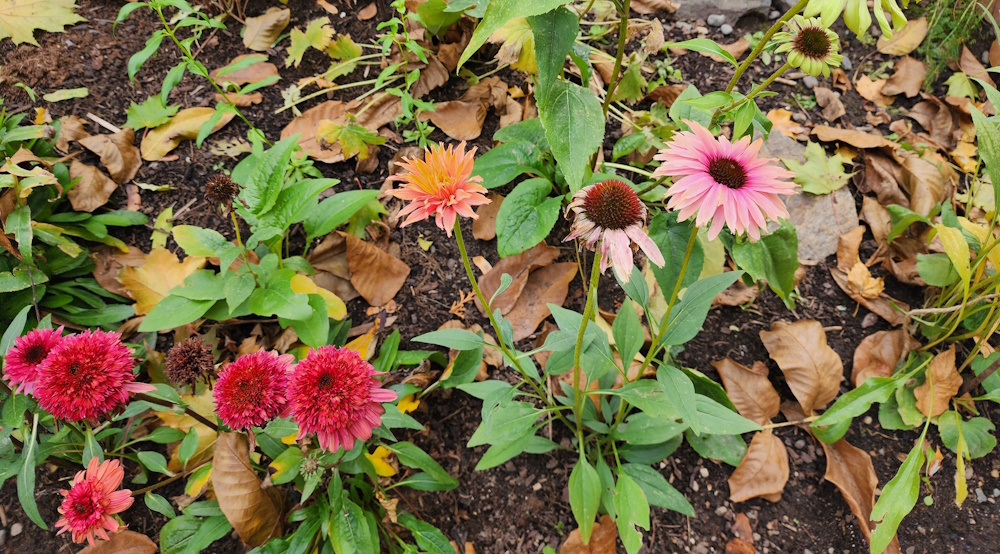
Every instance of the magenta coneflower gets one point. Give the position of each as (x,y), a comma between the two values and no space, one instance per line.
(20,366)
(89,505)
(334,393)
(86,376)
(611,213)
(251,391)
(722,182)
(440,185)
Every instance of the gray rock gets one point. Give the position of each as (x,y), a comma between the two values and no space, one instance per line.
(775,14)
(715,20)
(980,496)
(726,29)
(16,529)
(683,26)
(846,63)
(819,220)
(731,9)
(810,82)
(985,57)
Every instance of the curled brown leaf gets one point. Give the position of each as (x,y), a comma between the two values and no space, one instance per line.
(763,471)
(375,274)
(750,391)
(253,509)
(879,353)
(812,369)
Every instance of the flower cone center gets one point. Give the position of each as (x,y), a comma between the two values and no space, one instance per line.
(813,42)
(728,172)
(35,354)
(613,205)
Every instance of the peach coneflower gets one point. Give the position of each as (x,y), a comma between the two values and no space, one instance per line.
(611,213)
(86,376)
(723,183)
(334,393)
(251,391)
(441,185)
(89,505)
(20,366)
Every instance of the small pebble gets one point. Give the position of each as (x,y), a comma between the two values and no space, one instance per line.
(721,511)
(806,551)
(800,117)
(16,529)
(684,26)
(3,537)
(846,63)
(775,14)
(800,444)
(703,471)
(726,29)
(870,320)
(716,20)
(810,82)
(867,420)
(996,493)
(985,57)
(695,486)
(995,474)
(980,496)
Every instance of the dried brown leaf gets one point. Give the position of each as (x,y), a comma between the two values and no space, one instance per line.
(861,281)
(812,369)
(648,7)
(123,542)
(882,175)
(886,307)
(263,30)
(376,274)
(907,79)
(485,227)
(603,539)
(459,119)
(879,353)
(117,153)
(740,546)
(928,180)
(857,139)
(833,108)
(666,94)
(518,267)
(872,91)
(250,74)
(548,285)
(108,264)
(942,384)
(763,471)
(241,100)
(905,40)
(71,128)
(750,391)
(969,64)
(737,49)
(253,510)
(850,469)
(367,12)
(936,118)
(184,126)
(93,189)
(994,55)
(737,294)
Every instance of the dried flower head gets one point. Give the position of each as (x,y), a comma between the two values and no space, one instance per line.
(86,376)
(610,213)
(810,46)
(251,391)
(20,366)
(334,393)
(89,505)
(441,185)
(190,362)
(723,183)
(220,191)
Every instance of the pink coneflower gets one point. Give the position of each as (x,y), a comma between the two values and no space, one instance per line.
(334,394)
(251,391)
(20,366)
(611,213)
(440,185)
(89,505)
(723,182)
(86,376)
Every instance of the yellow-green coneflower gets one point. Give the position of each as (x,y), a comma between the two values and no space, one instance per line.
(810,46)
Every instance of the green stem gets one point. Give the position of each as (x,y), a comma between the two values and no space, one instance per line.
(588,313)
(622,39)
(187,410)
(756,90)
(763,43)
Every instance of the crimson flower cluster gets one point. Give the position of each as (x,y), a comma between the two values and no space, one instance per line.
(74,377)
(332,393)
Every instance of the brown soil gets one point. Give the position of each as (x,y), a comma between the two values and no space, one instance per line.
(522,505)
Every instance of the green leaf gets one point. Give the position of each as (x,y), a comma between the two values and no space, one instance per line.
(679,390)
(176,535)
(412,456)
(459,339)
(672,238)
(334,211)
(977,433)
(14,330)
(428,537)
(140,57)
(154,461)
(268,177)
(643,429)
(574,127)
(354,139)
(627,144)
(818,174)
(526,217)
(159,505)
(503,164)
(497,14)
(66,94)
(729,449)
(705,45)
(584,496)
(434,15)
(628,334)
(554,34)
(91,448)
(314,330)
(209,530)
(898,498)
(689,314)
(774,258)
(633,511)
(19,224)
(188,446)
(26,477)
(936,269)
(716,419)
(349,531)
(237,289)
(151,113)
(174,311)
(859,400)
(989,150)
(959,85)
(505,422)
(657,490)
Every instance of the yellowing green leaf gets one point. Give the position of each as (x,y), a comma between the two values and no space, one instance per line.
(353,138)
(819,174)
(151,113)
(344,48)
(957,250)
(20,18)
(66,94)
(335,307)
(263,30)
(960,85)
(318,35)
(161,272)
(518,45)
(183,126)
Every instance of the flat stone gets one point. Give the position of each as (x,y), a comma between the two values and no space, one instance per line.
(726,29)
(810,82)
(715,19)
(846,64)
(731,9)
(980,496)
(819,220)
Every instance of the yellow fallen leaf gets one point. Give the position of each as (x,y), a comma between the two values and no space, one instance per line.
(860,279)
(964,155)
(335,307)
(365,344)
(906,40)
(781,119)
(957,250)
(290,439)
(162,271)
(424,243)
(378,459)
(408,403)
(183,126)
(20,18)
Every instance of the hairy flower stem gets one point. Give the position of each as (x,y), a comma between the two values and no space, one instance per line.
(187,410)
(588,313)
(763,43)
(496,327)
(622,39)
(756,90)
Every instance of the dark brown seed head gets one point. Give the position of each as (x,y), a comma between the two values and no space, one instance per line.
(220,192)
(613,205)
(813,42)
(190,362)
(728,172)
